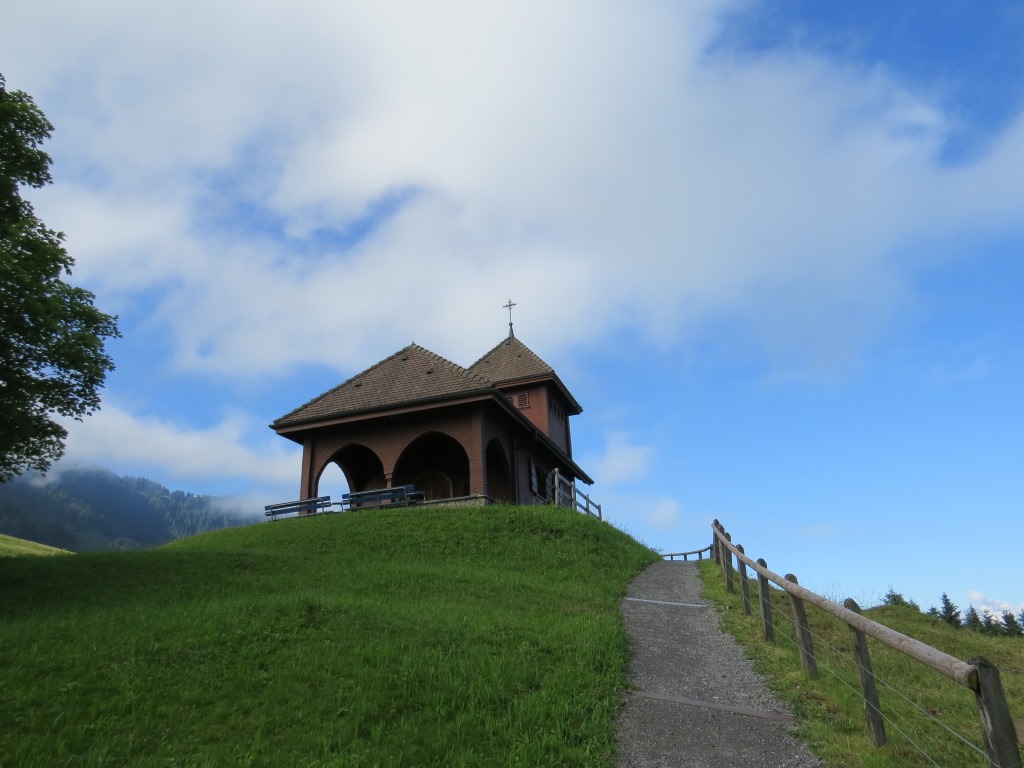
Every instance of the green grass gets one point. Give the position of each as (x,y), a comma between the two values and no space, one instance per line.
(454,637)
(830,708)
(12,547)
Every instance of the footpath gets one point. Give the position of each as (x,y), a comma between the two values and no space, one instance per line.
(697,702)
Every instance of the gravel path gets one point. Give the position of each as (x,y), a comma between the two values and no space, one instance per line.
(697,702)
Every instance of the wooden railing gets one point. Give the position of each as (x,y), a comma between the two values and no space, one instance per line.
(565,494)
(686,555)
(977,674)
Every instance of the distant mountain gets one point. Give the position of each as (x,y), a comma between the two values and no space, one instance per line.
(94,510)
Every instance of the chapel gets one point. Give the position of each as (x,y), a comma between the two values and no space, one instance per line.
(492,432)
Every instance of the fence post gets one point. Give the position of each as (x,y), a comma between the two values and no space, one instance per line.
(764,592)
(803,631)
(744,582)
(717,526)
(728,564)
(862,657)
(996,722)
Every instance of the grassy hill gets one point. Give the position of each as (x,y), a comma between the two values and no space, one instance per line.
(12,547)
(454,637)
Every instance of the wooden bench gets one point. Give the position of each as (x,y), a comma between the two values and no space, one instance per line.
(400,495)
(302,506)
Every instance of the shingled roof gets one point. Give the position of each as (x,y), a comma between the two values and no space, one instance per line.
(411,375)
(511,360)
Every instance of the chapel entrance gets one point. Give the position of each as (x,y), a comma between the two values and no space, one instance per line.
(436,464)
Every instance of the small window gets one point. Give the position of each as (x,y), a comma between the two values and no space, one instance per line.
(523,400)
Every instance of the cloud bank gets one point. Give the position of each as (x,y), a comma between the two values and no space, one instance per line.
(303,185)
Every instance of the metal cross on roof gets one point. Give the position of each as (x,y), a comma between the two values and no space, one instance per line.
(509,308)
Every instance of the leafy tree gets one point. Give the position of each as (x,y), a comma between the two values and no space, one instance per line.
(949,613)
(892,597)
(52,356)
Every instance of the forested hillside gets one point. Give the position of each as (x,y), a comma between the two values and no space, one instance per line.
(94,509)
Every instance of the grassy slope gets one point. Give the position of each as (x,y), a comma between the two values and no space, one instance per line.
(831,707)
(472,637)
(12,547)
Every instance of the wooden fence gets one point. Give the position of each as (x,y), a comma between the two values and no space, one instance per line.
(977,674)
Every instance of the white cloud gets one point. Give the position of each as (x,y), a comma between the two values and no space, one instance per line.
(995,606)
(563,154)
(115,437)
(622,462)
(664,515)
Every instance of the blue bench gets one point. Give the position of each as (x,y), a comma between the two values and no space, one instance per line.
(400,495)
(302,506)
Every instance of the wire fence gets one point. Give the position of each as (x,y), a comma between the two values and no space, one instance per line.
(838,663)
(933,721)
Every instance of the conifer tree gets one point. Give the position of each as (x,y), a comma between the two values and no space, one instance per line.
(949,613)
(989,626)
(1011,626)
(972,620)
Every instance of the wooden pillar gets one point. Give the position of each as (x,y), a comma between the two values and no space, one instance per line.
(764,592)
(804,641)
(744,581)
(862,658)
(727,554)
(996,723)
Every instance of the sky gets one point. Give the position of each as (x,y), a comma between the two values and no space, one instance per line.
(772,248)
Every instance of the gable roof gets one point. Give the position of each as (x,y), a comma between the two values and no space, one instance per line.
(511,360)
(411,375)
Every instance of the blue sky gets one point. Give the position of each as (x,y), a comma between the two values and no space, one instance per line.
(772,248)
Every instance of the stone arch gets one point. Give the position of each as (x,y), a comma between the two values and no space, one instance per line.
(436,464)
(362,468)
(499,484)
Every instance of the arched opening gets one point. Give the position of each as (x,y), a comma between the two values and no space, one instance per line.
(436,464)
(332,482)
(361,466)
(499,477)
